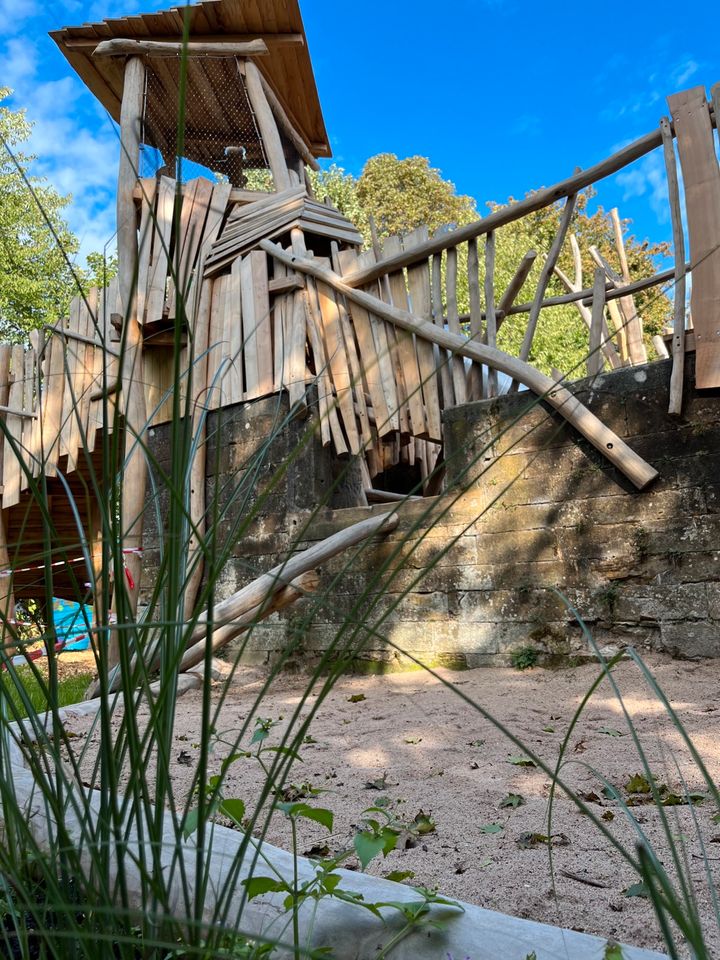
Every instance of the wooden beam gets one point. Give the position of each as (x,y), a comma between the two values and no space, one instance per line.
(267,126)
(511,212)
(593,429)
(131,374)
(163,49)
(701,181)
(678,340)
(595,360)
(274,39)
(287,127)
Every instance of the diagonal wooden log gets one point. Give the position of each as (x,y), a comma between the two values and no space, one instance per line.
(640,473)
(257,598)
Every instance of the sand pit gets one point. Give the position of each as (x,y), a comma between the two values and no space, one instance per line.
(407,741)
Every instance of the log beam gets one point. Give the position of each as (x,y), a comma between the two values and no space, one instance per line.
(163,49)
(268,127)
(131,373)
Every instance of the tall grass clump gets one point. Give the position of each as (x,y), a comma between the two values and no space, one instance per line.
(100,853)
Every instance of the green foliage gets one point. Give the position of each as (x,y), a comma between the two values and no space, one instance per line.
(36,284)
(401,195)
(524,658)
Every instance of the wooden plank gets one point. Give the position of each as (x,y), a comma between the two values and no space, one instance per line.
(476,379)
(157,282)
(145,244)
(422,307)
(457,363)
(391,335)
(410,382)
(701,178)
(28,404)
(11,461)
(338,364)
(38,340)
(71,366)
(438,315)
(356,375)
(595,360)
(81,381)
(628,307)
(490,321)
(680,288)
(215,344)
(233,324)
(369,357)
(257,327)
(280,305)
(326,408)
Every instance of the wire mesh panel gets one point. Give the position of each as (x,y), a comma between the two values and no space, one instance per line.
(216,122)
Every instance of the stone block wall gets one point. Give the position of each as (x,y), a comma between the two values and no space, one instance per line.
(531,514)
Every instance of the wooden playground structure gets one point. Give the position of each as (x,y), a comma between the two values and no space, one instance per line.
(265,293)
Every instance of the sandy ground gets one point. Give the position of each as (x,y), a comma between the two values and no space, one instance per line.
(407,738)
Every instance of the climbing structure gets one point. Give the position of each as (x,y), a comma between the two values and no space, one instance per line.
(271,292)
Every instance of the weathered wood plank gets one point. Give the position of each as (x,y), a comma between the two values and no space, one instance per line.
(680,288)
(701,178)
(453,319)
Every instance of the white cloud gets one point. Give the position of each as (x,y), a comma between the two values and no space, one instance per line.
(15,13)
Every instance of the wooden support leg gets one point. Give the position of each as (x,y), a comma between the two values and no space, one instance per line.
(133,394)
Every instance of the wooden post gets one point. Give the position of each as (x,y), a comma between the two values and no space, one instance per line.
(595,360)
(678,343)
(133,394)
(7,599)
(636,345)
(267,127)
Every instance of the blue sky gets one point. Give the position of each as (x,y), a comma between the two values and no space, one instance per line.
(504,97)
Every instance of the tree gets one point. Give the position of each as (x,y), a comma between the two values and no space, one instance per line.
(401,195)
(36,283)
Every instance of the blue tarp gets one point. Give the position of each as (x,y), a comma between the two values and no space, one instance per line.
(71,623)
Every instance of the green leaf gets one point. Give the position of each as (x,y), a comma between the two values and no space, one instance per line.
(715,818)
(609,732)
(638,784)
(548,729)
(357,698)
(330,882)
(397,876)
(235,809)
(521,761)
(258,886)
(512,800)
(423,823)
(613,951)
(491,828)
(318,814)
(610,793)
(190,823)
(367,846)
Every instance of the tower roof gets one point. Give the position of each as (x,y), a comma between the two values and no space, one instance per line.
(287,68)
